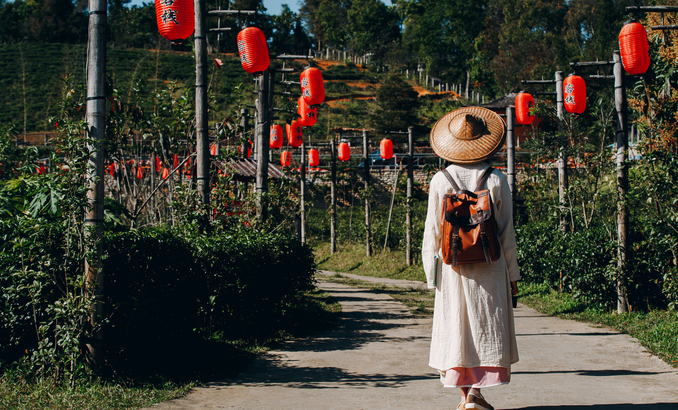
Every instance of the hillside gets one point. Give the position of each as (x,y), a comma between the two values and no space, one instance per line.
(36,76)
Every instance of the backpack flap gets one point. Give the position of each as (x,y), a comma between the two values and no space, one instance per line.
(468,208)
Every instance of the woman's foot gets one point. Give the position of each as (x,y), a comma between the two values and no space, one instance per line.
(475,400)
(462,405)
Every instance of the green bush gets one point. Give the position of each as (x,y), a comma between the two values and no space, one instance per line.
(173,293)
(584,258)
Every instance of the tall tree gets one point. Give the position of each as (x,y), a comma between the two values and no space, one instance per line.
(327,20)
(443,32)
(288,34)
(396,107)
(372,27)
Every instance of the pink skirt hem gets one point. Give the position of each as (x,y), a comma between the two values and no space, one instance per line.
(477,377)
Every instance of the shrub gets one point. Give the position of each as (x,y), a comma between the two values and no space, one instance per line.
(168,293)
(583,257)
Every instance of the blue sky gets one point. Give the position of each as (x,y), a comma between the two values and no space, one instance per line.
(272,6)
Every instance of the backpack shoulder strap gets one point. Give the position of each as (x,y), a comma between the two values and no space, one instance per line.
(483,178)
(449,178)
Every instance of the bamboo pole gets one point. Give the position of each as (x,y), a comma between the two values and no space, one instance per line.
(562,164)
(408,203)
(263,129)
(390,209)
(333,199)
(622,181)
(302,178)
(201,120)
(366,178)
(94,216)
(511,156)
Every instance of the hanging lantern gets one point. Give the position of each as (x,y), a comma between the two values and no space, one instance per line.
(312,87)
(111,170)
(285,158)
(294,135)
(158,164)
(307,114)
(249,148)
(313,158)
(175,161)
(574,89)
(253,50)
(386,148)
(165,173)
(176,19)
(634,48)
(213,150)
(344,152)
(276,139)
(140,173)
(524,101)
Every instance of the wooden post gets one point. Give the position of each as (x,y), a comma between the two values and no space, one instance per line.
(262,132)
(302,178)
(333,198)
(562,161)
(94,216)
(201,122)
(408,202)
(152,204)
(622,180)
(366,178)
(511,156)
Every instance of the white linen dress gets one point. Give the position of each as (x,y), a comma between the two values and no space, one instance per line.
(473,317)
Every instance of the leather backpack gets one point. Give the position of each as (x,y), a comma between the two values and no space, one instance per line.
(469,229)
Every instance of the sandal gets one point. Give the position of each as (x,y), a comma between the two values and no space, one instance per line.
(462,405)
(477,401)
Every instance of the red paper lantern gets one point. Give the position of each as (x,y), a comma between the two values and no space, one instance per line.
(285,158)
(111,170)
(313,158)
(249,148)
(140,173)
(253,50)
(574,89)
(165,173)
(344,152)
(294,135)
(213,150)
(175,161)
(176,19)
(158,164)
(524,102)
(634,48)
(276,139)
(307,114)
(312,87)
(386,148)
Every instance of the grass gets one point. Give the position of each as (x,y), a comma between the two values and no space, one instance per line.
(19,393)
(312,311)
(351,258)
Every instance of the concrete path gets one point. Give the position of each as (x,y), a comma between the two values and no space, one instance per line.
(376,358)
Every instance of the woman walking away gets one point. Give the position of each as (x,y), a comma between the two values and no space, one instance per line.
(473,344)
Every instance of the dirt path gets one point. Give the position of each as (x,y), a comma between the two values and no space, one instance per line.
(377,359)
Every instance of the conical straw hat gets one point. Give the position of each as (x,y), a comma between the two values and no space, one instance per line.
(468,135)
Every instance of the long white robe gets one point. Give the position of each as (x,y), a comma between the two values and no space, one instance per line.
(473,317)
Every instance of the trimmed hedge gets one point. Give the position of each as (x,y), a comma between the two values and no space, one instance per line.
(167,292)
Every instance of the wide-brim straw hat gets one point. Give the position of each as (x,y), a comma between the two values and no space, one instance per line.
(468,135)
